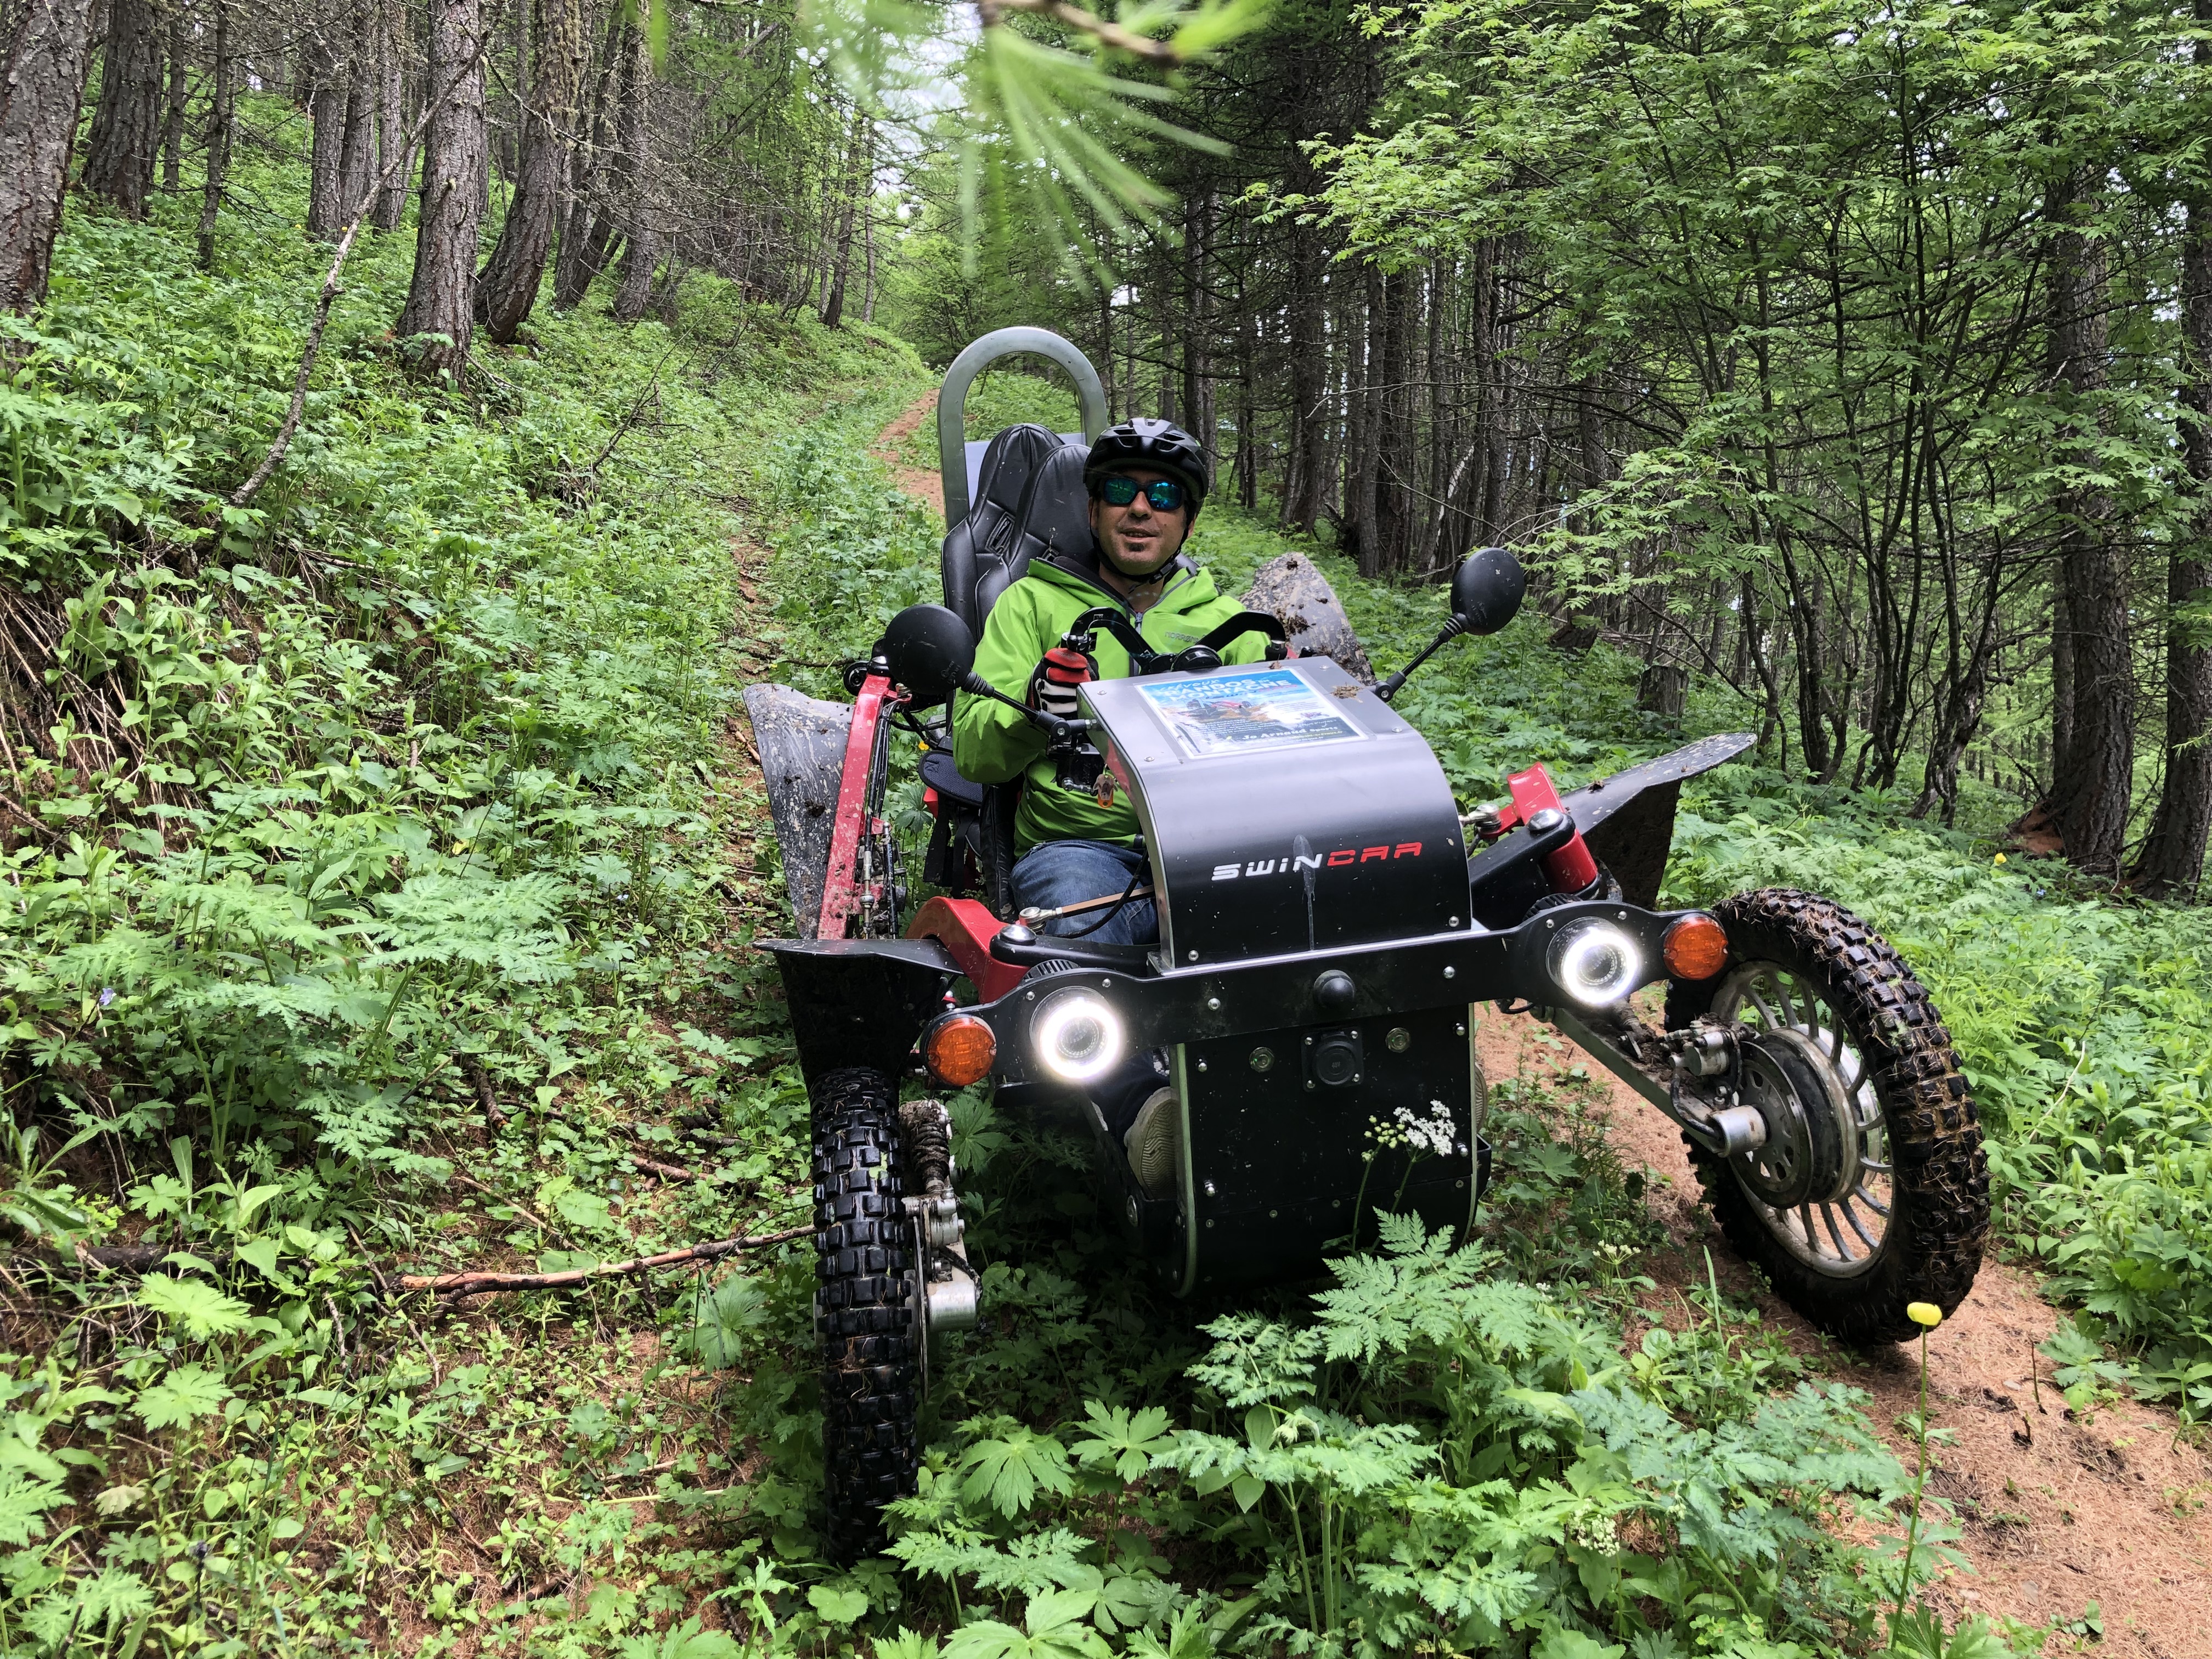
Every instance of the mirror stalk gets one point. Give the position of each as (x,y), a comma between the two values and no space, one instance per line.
(976,686)
(1391,687)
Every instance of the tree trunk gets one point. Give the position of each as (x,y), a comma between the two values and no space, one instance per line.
(1248,457)
(1965,691)
(173,120)
(327,74)
(1308,347)
(643,253)
(357,157)
(2171,863)
(584,246)
(394,131)
(120,152)
(585,231)
(439,301)
(508,288)
(218,138)
(1197,323)
(1360,507)
(868,234)
(639,258)
(2093,782)
(40,96)
(833,308)
(1397,455)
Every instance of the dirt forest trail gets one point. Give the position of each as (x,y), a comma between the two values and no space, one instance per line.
(917,482)
(2055,1513)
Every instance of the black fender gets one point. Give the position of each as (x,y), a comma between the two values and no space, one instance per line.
(1628,820)
(861,1001)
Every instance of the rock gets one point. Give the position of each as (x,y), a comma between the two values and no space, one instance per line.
(802,753)
(1292,590)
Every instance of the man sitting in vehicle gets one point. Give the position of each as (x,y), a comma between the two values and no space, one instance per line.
(1146,480)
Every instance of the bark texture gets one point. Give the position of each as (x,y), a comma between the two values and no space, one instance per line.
(440,298)
(219,120)
(393,132)
(507,290)
(327,74)
(643,253)
(2094,771)
(833,311)
(357,156)
(48,55)
(2171,863)
(586,233)
(173,114)
(126,128)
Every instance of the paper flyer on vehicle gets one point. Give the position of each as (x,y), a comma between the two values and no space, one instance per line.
(1230,714)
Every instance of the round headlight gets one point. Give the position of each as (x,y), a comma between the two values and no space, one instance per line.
(1076,1035)
(1596,962)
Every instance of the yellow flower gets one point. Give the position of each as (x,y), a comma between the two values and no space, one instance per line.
(2001,857)
(1923,1313)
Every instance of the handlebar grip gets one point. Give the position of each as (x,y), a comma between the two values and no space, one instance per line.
(1246,622)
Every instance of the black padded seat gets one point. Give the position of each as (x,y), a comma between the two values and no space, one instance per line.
(976,548)
(987,552)
(940,774)
(1056,519)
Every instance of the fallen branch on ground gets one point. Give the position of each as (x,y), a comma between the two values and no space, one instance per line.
(667,1171)
(487,1097)
(142,1258)
(479,1283)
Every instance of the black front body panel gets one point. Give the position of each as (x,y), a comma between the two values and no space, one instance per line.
(1280,1164)
(1286,808)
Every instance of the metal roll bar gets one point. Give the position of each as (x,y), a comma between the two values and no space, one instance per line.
(952,447)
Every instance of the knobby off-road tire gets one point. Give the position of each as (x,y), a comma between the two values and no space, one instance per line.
(1849,992)
(865,1307)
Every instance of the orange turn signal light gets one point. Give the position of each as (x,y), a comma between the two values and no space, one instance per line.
(958,1050)
(1696,947)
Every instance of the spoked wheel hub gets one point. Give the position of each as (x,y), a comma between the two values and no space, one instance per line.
(1812,1148)
(1821,1182)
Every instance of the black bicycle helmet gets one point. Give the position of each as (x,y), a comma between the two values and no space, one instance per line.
(1160,445)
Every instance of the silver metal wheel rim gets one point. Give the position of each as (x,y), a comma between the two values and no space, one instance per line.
(1839,1239)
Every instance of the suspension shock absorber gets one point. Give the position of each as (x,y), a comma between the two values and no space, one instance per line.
(1571,869)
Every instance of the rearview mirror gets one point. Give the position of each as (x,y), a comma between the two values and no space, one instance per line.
(929,650)
(1486,590)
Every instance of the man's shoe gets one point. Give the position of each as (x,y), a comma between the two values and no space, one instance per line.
(1155,1144)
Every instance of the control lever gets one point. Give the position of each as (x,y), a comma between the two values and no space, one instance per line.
(1077,763)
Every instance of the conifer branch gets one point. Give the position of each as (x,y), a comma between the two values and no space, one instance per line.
(1105,32)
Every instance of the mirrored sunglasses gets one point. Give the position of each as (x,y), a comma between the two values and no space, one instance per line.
(1119,489)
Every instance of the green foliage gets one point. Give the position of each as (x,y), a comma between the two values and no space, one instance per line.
(400,792)
(456,808)
(2084,1028)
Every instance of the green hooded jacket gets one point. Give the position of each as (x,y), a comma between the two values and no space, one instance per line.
(991,743)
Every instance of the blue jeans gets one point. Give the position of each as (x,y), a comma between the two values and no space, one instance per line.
(1057,873)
